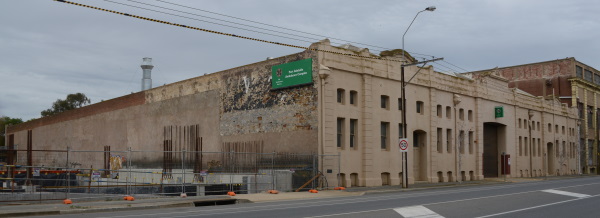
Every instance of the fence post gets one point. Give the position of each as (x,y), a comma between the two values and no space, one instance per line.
(68,173)
(183,172)
(273,171)
(128,186)
(314,166)
(339,169)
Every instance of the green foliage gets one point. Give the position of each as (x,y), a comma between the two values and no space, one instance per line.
(72,101)
(4,120)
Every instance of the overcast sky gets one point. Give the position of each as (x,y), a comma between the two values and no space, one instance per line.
(50,49)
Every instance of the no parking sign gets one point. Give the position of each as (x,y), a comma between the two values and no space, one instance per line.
(403,145)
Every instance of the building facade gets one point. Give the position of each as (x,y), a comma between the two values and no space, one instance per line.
(329,103)
(575,84)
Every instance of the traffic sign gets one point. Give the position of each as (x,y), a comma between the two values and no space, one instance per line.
(403,145)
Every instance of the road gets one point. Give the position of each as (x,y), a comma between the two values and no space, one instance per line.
(575,197)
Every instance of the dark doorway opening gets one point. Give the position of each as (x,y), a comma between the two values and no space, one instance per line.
(493,141)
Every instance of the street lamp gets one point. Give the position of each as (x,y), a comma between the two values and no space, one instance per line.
(403,96)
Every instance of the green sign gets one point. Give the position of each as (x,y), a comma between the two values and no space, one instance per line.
(292,74)
(499,111)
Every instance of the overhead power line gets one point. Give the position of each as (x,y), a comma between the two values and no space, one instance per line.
(222,33)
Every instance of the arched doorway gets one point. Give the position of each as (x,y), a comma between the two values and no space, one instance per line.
(494,143)
(420,155)
(550,154)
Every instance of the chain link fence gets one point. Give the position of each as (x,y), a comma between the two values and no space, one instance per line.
(42,175)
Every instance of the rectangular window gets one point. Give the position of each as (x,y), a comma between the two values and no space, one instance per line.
(340,132)
(520,146)
(590,118)
(533,147)
(448,112)
(532,125)
(526,146)
(353,132)
(596,79)
(385,126)
(470,115)
(539,148)
(588,75)
(461,114)
(440,144)
(353,97)
(449,140)
(520,123)
(461,140)
(579,71)
(439,111)
(470,142)
(400,130)
(340,96)
(525,123)
(385,101)
(400,104)
(420,107)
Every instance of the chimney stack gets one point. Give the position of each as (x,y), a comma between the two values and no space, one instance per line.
(147,78)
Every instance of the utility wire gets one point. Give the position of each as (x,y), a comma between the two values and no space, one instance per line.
(162,12)
(241,24)
(222,33)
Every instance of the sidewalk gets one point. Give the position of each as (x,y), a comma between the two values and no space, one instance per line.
(146,202)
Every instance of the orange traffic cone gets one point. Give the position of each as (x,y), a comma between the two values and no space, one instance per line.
(231,193)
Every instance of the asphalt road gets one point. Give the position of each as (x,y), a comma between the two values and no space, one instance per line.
(578,197)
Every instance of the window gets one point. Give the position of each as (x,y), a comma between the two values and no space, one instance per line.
(549,127)
(353,97)
(461,140)
(520,123)
(532,125)
(556,129)
(579,71)
(439,111)
(448,112)
(384,135)
(353,131)
(525,123)
(400,130)
(470,142)
(520,146)
(385,101)
(340,132)
(596,79)
(470,115)
(461,114)
(400,103)
(588,75)
(526,146)
(539,148)
(440,145)
(538,126)
(563,130)
(420,107)
(590,119)
(449,140)
(340,96)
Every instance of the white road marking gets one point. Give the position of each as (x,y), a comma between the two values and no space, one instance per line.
(572,194)
(529,208)
(417,211)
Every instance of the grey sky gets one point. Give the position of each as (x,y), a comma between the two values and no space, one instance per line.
(50,49)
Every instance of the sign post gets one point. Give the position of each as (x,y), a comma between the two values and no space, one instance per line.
(403,148)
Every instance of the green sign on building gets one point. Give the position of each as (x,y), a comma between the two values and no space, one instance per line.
(291,74)
(499,111)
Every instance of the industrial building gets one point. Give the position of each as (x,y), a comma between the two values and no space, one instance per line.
(571,82)
(463,127)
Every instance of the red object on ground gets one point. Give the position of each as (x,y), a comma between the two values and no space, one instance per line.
(67,201)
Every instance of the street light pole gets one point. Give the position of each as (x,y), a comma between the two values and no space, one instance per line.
(403,96)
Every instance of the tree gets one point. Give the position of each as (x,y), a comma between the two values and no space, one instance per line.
(72,101)
(4,120)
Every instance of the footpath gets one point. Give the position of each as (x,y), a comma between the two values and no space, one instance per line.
(108,204)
